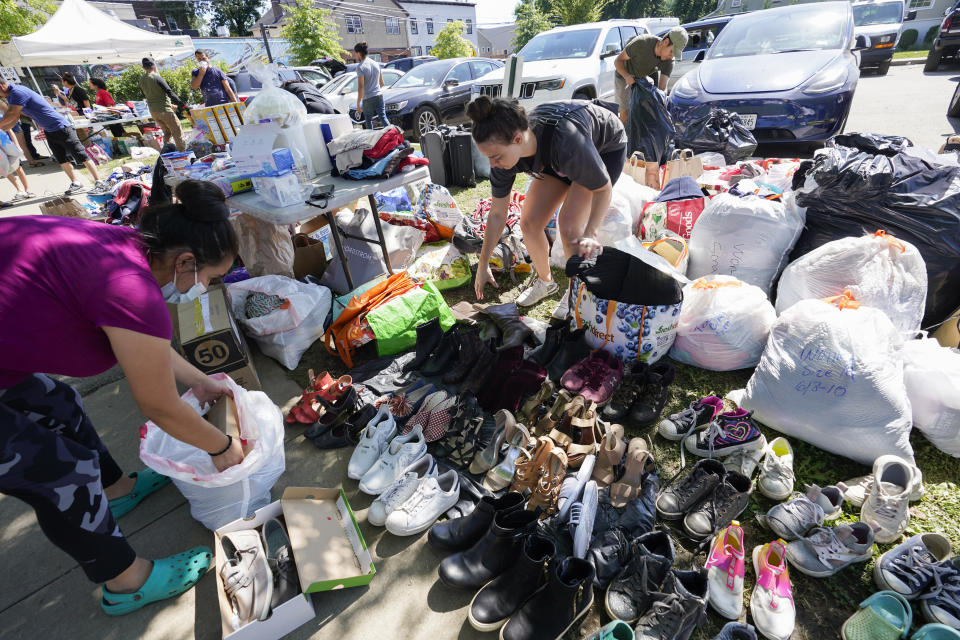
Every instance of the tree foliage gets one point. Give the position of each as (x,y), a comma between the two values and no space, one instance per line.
(450,42)
(126,85)
(312,33)
(639,9)
(569,12)
(692,10)
(189,14)
(530,21)
(23,17)
(237,15)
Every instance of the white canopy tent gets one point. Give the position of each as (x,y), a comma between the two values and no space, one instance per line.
(79,33)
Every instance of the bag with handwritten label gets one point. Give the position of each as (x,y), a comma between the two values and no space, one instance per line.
(724,324)
(832,375)
(627,306)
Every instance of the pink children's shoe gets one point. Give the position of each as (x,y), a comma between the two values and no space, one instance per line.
(725,569)
(771,603)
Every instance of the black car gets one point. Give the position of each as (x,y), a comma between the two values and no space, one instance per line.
(947,42)
(434,93)
(405,64)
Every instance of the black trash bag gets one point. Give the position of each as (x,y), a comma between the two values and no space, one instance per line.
(857,193)
(874,143)
(717,130)
(650,128)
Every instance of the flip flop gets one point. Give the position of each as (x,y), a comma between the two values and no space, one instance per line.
(170,577)
(148,481)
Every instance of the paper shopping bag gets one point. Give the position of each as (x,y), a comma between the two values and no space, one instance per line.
(642,171)
(682,163)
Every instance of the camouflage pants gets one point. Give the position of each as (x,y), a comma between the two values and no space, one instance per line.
(52,458)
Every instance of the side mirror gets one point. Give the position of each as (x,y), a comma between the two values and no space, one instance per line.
(911,15)
(701,56)
(451,83)
(861,42)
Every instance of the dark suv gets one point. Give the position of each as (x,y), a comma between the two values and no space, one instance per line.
(947,43)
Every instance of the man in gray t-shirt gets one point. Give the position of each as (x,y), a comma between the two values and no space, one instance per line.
(369,83)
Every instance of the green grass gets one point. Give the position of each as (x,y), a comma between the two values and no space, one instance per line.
(822,604)
(909,55)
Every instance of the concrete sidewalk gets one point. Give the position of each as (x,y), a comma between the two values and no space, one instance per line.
(44,594)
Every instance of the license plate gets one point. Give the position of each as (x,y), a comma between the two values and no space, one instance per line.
(749,120)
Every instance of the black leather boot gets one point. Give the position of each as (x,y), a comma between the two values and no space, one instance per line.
(462,533)
(475,380)
(551,345)
(557,606)
(444,355)
(471,348)
(573,350)
(428,337)
(504,594)
(493,554)
(512,329)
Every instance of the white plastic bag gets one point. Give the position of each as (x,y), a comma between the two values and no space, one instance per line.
(834,378)
(272,102)
(636,194)
(748,238)
(217,498)
(724,324)
(283,334)
(932,376)
(617,224)
(879,270)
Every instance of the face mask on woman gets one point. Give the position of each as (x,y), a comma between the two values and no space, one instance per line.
(172,294)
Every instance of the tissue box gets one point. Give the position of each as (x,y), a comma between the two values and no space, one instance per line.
(280,191)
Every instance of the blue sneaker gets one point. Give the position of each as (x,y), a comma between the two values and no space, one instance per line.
(910,567)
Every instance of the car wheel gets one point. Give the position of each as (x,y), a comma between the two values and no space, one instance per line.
(883,67)
(581,95)
(424,119)
(933,60)
(953,111)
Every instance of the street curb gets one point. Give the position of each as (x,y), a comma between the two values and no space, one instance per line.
(908,61)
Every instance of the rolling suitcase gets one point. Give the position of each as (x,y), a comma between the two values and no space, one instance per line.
(450,152)
(434,148)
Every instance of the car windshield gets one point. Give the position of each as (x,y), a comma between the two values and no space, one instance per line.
(802,28)
(426,75)
(563,44)
(889,13)
(334,86)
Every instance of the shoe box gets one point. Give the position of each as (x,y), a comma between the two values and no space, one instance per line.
(206,335)
(328,550)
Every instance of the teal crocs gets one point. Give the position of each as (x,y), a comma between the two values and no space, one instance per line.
(886,615)
(148,481)
(616,630)
(170,577)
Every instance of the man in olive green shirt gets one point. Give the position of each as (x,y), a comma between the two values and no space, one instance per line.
(160,100)
(643,56)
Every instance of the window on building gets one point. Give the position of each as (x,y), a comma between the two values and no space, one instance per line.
(428,50)
(414,51)
(429,29)
(413,26)
(469,25)
(354,25)
(392,25)
(919,4)
(449,20)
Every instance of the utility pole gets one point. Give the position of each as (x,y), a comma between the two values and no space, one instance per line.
(266,43)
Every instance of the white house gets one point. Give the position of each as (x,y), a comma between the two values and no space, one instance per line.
(428,17)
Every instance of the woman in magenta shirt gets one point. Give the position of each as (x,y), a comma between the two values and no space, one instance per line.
(77,297)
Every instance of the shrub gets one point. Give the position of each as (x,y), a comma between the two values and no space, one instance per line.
(931,34)
(908,39)
(126,85)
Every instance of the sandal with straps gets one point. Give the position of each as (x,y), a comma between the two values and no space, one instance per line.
(467,444)
(639,461)
(456,434)
(612,448)
(562,434)
(529,465)
(530,409)
(547,487)
(169,577)
(516,440)
(586,423)
(487,458)
(303,411)
(555,414)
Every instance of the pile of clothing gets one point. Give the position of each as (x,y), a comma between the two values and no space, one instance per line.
(368,154)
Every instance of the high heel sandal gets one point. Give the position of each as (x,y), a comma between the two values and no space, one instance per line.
(517,439)
(303,411)
(487,458)
(530,409)
(612,447)
(639,461)
(529,465)
(562,434)
(586,423)
(547,487)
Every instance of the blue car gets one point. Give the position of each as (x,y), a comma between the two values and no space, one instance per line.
(789,72)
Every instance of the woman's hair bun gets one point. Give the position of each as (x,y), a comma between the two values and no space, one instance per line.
(202,201)
(480,108)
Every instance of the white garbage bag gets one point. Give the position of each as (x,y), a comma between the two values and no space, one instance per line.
(636,194)
(745,237)
(219,497)
(932,375)
(724,324)
(617,224)
(286,332)
(833,377)
(879,270)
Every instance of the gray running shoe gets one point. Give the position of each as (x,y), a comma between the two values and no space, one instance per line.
(791,520)
(736,631)
(825,551)
(913,565)
(942,603)
(286,582)
(75,187)
(582,516)
(678,609)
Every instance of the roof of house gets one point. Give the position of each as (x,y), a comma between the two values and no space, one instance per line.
(450,2)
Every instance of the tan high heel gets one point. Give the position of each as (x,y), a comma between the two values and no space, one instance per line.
(528,411)
(547,489)
(555,414)
(612,447)
(528,465)
(639,461)
(586,423)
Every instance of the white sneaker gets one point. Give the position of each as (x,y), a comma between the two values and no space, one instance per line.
(563,309)
(373,442)
(776,471)
(402,452)
(858,488)
(75,187)
(433,497)
(886,507)
(20,195)
(725,572)
(536,291)
(745,461)
(771,602)
(582,516)
(401,490)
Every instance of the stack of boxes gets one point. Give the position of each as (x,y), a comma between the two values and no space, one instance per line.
(221,122)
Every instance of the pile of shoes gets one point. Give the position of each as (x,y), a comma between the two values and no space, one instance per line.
(259,573)
(707,497)
(332,412)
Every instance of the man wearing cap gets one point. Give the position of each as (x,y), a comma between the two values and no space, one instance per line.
(160,100)
(643,56)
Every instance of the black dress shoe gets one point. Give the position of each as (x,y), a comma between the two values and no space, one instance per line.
(497,550)
(346,433)
(428,337)
(551,345)
(462,533)
(443,357)
(556,606)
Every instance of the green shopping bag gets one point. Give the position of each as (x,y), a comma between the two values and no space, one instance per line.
(395,322)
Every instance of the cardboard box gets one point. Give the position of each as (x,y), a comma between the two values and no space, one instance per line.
(262,150)
(328,549)
(206,335)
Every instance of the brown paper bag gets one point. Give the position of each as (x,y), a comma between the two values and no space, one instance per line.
(309,256)
(682,163)
(642,171)
(66,207)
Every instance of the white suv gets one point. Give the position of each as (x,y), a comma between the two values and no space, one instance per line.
(568,62)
